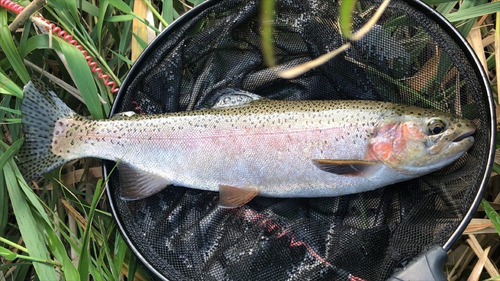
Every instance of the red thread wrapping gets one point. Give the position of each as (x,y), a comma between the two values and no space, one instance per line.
(14,7)
(68,38)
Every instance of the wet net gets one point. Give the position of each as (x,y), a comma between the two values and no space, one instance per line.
(407,58)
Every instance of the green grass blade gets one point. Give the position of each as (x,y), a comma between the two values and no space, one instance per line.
(10,50)
(13,111)
(22,272)
(155,13)
(132,267)
(7,254)
(492,215)
(24,37)
(33,238)
(67,11)
(345,17)
(84,264)
(59,252)
(140,41)
(14,245)
(474,12)
(122,6)
(168,11)
(124,59)
(54,243)
(119,253)
(266,34)
(103,7)
(120,18)
(9,87)
(10,152)
(96,274)
(91,9)
(434,2)
(465,26)
(126,37)
(445,9)
(470,3)
(105,256)
(78,65)
(196,2)
(4,206)
(40,42)
(83,78)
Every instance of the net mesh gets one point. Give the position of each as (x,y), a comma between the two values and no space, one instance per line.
(407,58)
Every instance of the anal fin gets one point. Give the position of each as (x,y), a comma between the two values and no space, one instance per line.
(233,197)
(345,167)
(138,184)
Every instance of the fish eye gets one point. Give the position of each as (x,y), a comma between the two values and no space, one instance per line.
(436,126)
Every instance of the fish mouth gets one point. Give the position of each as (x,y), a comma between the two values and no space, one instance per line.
(464,135)
(461,142)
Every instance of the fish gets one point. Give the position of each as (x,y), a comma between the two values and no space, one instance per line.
(244,145)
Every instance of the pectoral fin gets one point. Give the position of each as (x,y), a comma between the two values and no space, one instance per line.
(233,197)
(345,167)
(137,184)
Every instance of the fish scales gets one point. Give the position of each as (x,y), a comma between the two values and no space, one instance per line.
(213,148)
(278,148)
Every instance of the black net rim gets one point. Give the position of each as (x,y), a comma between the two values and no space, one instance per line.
(419,5)
(487,94)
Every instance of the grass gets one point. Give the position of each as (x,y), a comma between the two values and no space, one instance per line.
(62,229)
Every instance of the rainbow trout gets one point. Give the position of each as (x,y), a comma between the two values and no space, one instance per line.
(255,147)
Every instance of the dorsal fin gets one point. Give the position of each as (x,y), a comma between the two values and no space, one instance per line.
(124,115)
(229,97)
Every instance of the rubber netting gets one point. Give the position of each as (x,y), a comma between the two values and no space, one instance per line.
(407,58)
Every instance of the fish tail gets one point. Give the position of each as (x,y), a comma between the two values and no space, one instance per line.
(41,109)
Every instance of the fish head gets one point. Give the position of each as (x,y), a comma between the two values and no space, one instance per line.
(421,142)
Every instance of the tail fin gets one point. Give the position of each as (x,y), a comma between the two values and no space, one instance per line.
(41,109)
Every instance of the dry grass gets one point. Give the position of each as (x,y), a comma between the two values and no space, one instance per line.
(474,256)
